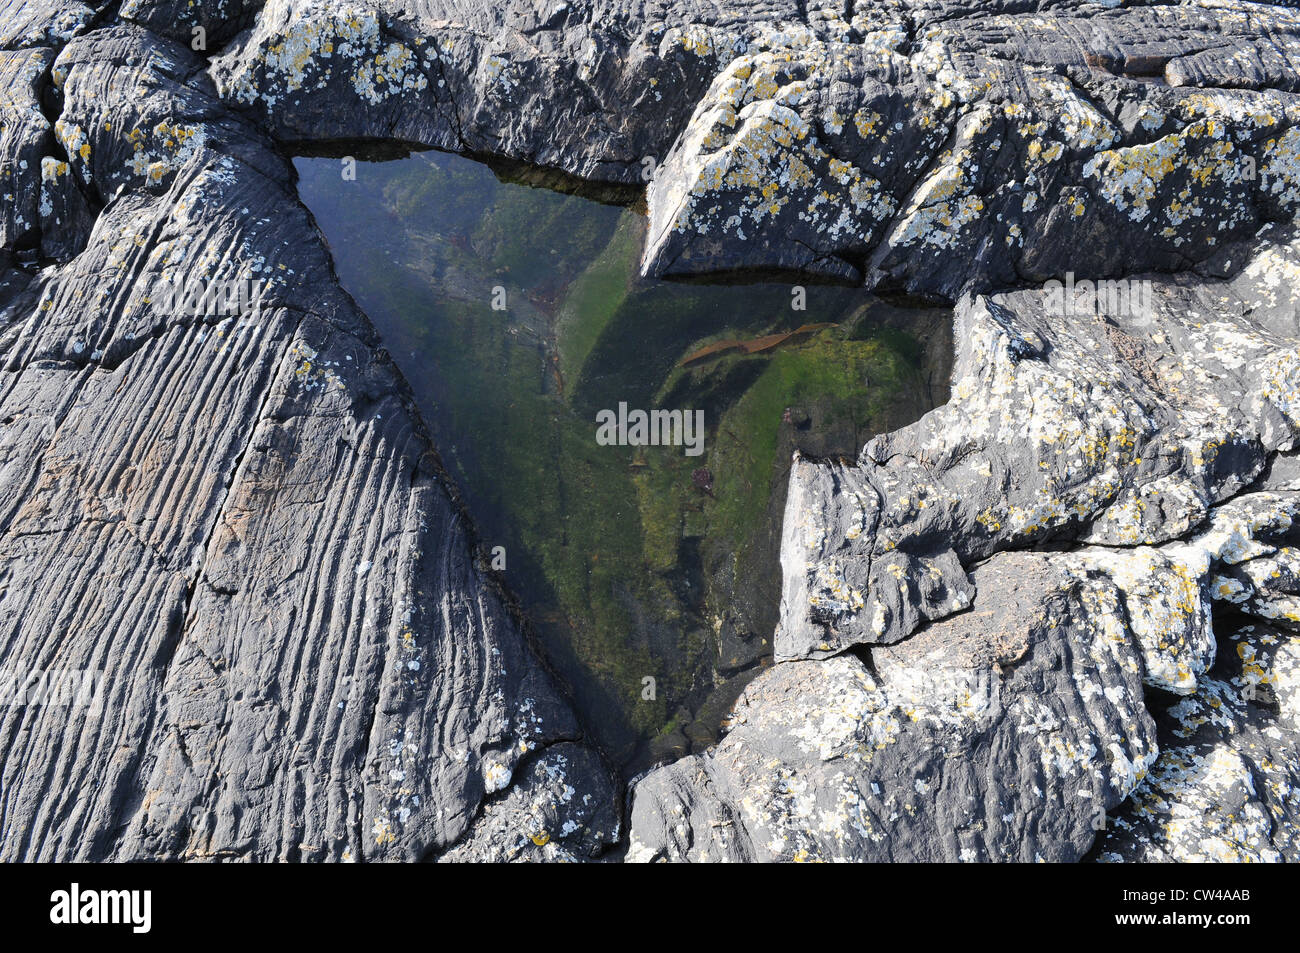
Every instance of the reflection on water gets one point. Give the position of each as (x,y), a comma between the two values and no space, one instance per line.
(631,562)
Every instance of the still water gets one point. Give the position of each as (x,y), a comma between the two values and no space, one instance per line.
(518,316)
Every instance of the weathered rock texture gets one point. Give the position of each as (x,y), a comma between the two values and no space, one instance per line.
(930,748)
(932,147)
(978,739)
(240,522)
(1120,443)
(1145,452)
(1224,786)
(238,517)
(1116,427)
(987,149)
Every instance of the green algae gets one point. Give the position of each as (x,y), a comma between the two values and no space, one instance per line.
(631,563)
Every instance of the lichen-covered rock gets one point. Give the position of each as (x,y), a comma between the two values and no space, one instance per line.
(41,23)
(1119,432)
(984,149)
(235,515)
(548,815)
(1003,733)
(931,148)
(24,136)
(66,217)
(1039,685)
(590,89)
(1107,425)
(1224,787)
(203,27)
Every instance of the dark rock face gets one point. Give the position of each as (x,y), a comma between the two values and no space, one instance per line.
(23,137)
(239,521)
(590,88)
(237,518)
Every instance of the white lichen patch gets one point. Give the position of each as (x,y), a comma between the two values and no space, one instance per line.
(322,42)
(1185,790)
(1280,168)
(1166,609)
(1196,175)
(496,776)
(164,149)
(311,372)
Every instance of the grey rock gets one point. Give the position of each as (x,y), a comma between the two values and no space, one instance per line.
(41,23)
(1223,787)
(930,149)
(928,749)
(24,137)
(203,27)
(1002,733)
(1110,426)
(986,149)
(586,88)
(548,816)
(238,520)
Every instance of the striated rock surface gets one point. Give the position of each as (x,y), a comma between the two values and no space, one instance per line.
(1000,734)
(239,521)
(998,631)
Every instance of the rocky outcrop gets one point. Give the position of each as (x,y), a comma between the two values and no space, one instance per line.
(234,513)
(933,148)
(238,520)
(985,150)
(1105,441)
(1109,426)
(1014,730)
(979,739)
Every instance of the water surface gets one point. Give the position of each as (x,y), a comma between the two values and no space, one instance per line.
(629,562)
